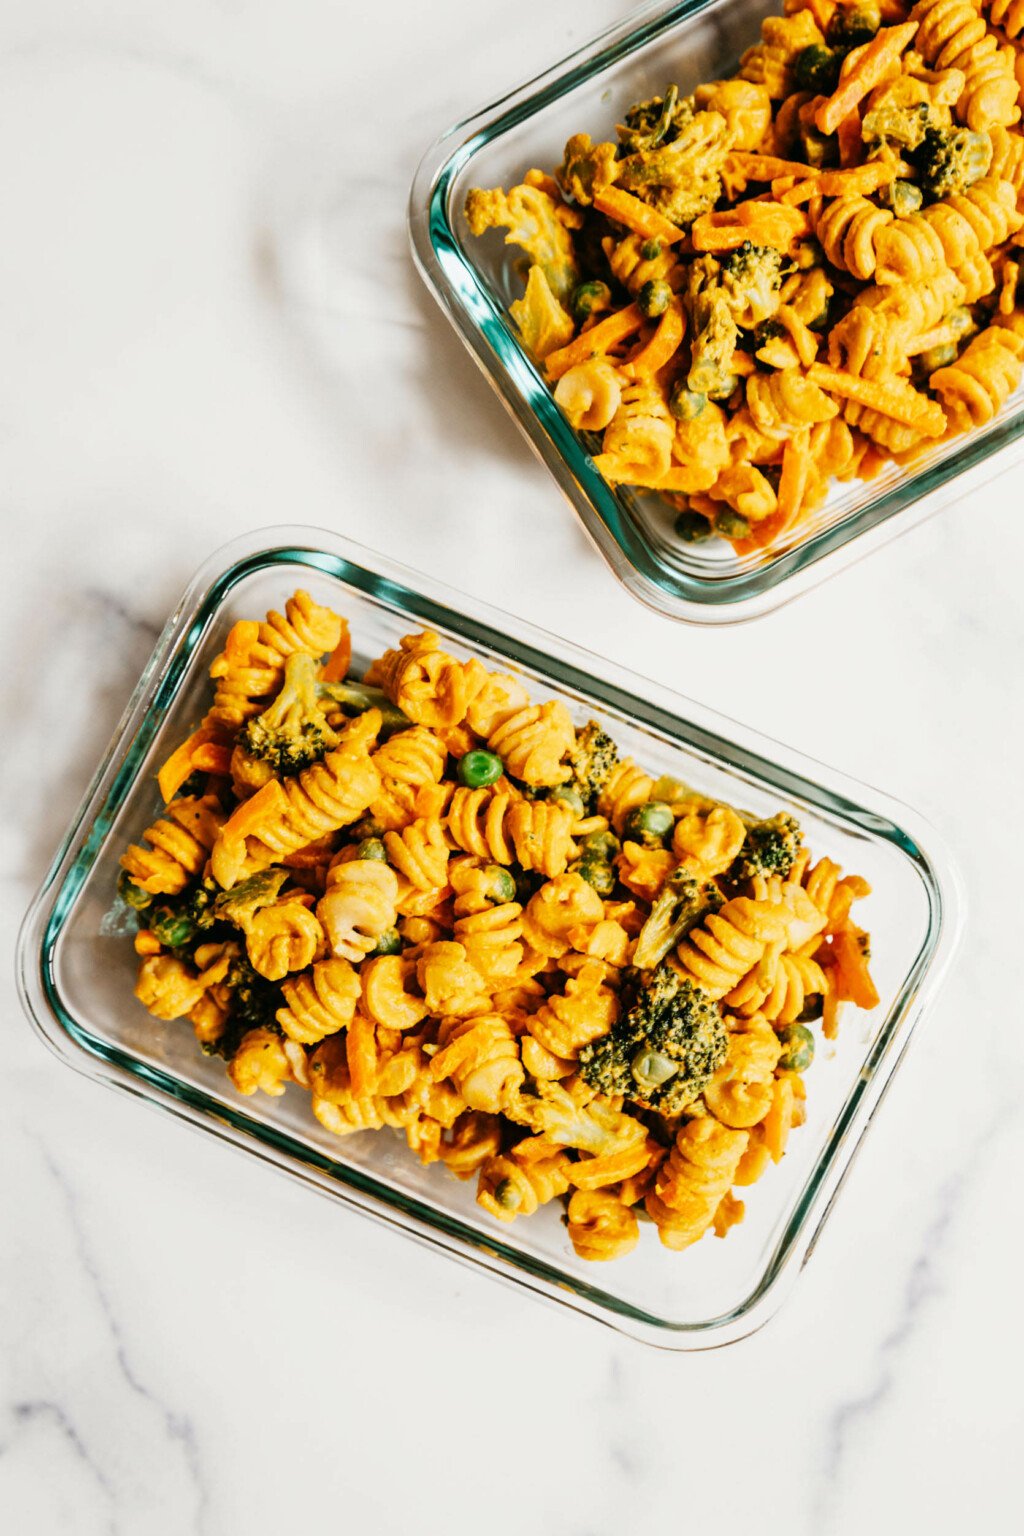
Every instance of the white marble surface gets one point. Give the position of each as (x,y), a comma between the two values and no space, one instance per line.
(186,1343)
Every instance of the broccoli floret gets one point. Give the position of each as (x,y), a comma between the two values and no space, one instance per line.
(681,178)
(658,120)
(178,921)
(770,848)
(586,168)
(816,69)
(902,197)
(951,159)
(684,901)
(852,25)
(663,1053)
(357,698)
(553,1111)
(254,1005)
(740,290)
(293,732)
(605,1064)
(592,760)
(243,901)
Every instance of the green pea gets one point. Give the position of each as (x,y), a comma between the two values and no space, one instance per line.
(564,794)
(654,298)
(600,846)
(479,768)
(501,885)
(731,525)
(507,1195)
(651,250)
(650,823)
(797,1048)
(650,1069)
(590,299)
(389,943)
(372,848)
(598,875)
(131,894)
(684,403)
(172,928)
(692,528)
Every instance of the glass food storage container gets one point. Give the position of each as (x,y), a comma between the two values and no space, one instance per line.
(77,964)
(475,279)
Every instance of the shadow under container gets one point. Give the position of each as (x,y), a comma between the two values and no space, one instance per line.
(77,965)
(474,281)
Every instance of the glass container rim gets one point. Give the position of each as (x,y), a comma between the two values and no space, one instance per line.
(654,705)
(486,331)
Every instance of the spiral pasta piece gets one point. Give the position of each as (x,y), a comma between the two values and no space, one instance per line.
(769,62)
(952,34)
(420,854)
(427,684)
(781,401)
(360,904)
(976,387)
(600,1226)
(389,997)
(284,936)
(261,1064)
(740,1093)
(641,432)
(481,1057)
(626,787)
(408,762)
(561,915)
(850,231)
(474,1138)
(586,1010)
(694,1179)
(179,845)
(319,1002)
(489,929)
(589,394)
(250,669)
(534,742)
(729,943)
(1007,157)
(492,824)
(329,794)
(509,1187)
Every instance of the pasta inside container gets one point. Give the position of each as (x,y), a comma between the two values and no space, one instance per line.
(477,278)
(87,971)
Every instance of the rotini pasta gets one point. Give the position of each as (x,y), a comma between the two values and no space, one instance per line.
(849,195)
(462,917)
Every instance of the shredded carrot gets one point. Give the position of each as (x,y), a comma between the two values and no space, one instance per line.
(938,336)
(338,662)
(851,142)
(762,222)
(663,345)
(822,11)
(803,338)
(247,819)
(182,762)
(855,984)
(863,179)
(864,74)
(638,216)
(213,758)
(599,339)
(147,943)
(796,469)
(764,167)
(792,193)
(894,398)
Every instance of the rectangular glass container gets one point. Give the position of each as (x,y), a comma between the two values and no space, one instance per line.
(475,279)
(77,966)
